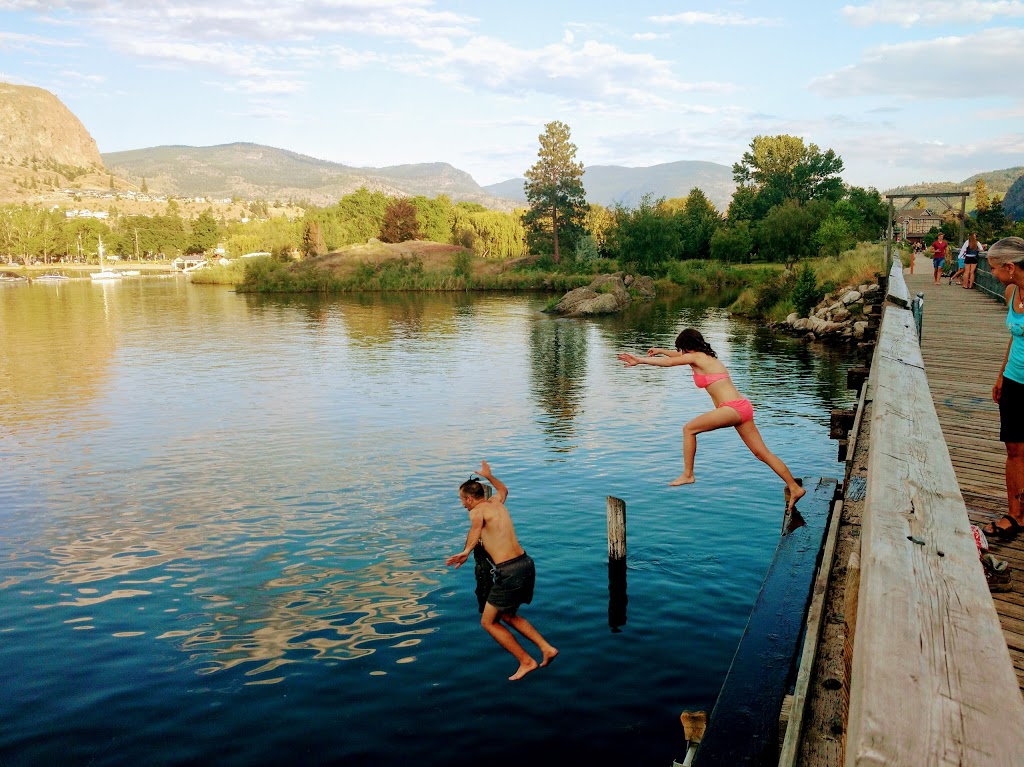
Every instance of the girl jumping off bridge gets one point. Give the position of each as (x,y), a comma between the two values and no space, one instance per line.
(731,407)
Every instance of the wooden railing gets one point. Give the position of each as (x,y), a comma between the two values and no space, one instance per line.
(932,682)
(986,282)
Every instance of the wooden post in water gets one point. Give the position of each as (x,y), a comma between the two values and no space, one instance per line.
(616,528)
(617,598)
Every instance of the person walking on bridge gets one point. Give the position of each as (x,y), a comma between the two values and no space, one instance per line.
(1006,259)
(969,252)
(939,248)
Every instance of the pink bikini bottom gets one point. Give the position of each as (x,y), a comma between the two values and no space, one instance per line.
(741,406)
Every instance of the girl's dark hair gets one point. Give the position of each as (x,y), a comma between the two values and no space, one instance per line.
(473,488)
(690,340)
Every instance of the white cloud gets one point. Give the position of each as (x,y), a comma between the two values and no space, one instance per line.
(592,72)
(907,13)
(979,65)
(927,158)
(715,19)
(645,36)
(17,40)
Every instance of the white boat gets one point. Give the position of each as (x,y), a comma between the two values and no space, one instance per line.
(51,277)
(130,272)
(104,273)
(10,277)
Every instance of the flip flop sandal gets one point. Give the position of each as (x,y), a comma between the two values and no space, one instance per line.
(1004,533)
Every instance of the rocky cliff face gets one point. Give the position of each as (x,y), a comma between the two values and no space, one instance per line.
(35,124)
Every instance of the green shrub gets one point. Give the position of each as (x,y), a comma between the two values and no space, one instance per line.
(806,292)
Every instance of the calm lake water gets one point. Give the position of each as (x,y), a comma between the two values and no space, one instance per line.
(224,520)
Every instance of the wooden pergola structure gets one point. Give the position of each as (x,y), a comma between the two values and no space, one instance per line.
(911,199)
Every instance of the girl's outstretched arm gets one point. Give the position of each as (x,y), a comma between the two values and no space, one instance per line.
(654,351)
(661,362)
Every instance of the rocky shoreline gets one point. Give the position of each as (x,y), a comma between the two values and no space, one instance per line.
(841,316)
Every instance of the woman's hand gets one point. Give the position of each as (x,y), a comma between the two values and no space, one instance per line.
(629,359)
(654,351)
(997,390)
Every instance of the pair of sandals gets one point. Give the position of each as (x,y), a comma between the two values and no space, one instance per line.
(1004,532)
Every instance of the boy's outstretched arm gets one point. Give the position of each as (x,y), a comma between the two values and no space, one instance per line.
(476,526)
(499,486)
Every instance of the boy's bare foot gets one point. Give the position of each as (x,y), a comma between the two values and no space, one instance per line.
(682,479)
(795,494)
(549,655)
(524,668)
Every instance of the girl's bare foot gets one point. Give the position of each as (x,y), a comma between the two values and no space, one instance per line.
(524,668)
(682,479)
(549,655)
(795,493)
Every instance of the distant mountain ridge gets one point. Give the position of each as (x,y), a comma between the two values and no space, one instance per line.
(610,184)
(256,171)
(997,181)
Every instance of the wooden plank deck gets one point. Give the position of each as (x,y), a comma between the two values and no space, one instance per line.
(963,343)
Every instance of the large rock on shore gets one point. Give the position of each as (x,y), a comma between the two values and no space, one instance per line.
(839,316)
(607,294)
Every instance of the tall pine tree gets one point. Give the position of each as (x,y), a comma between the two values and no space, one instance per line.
(554,190)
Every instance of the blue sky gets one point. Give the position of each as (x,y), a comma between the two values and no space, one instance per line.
(905,91)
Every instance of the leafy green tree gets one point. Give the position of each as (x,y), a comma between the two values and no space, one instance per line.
(356,218)
(732,243)
(598,221)
(992,222)
(205,232)
(865,211)
(144,188)
(313,239)
(488,233)
(782,168)
(644,236)
(400,222)
(787,232)
(699,221)
(435,217)
(742,205)
(982,201)
(554,191)
(834,236)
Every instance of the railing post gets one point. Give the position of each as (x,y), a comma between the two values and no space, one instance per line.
(917,306)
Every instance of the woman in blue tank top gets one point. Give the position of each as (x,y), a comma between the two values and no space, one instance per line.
(1006,258)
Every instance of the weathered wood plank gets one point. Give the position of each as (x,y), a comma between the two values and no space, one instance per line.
(897,292)
(933,683)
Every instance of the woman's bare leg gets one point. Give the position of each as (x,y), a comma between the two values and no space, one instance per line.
(1015,480)
(752,438)
(970,269)
(718,418)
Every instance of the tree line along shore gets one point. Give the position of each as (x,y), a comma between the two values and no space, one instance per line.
(792,232)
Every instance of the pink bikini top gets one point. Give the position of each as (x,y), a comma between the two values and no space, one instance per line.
(704,381)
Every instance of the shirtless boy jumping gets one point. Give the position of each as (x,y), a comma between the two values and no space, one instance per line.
(512,568)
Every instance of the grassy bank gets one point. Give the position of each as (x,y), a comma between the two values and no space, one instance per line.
(766,291)
(793,290)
